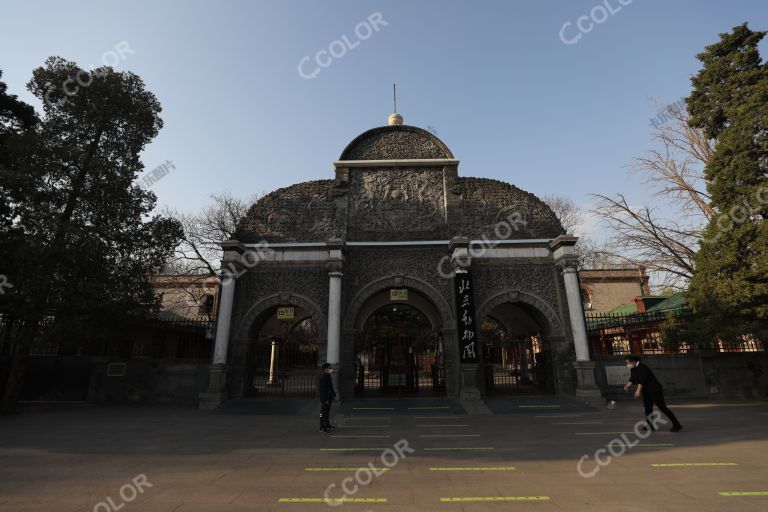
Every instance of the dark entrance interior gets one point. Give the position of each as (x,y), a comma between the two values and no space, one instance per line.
(516,357)
(283,357)
(399,353)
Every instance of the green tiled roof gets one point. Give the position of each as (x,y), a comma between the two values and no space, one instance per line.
(624,309)
(674,301)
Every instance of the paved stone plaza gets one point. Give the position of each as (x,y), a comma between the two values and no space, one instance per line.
(251,454)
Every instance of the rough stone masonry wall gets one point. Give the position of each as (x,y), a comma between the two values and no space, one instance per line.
(695,375)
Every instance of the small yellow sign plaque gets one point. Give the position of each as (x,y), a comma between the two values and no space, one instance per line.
(398,294)
(285,313)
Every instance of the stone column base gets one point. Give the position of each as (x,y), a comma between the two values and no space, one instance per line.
(216,394)
(469,391)
(210,401)
(586,389)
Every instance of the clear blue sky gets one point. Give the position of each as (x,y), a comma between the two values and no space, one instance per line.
(492,78)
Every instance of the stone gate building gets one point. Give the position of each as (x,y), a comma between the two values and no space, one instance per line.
(406,276)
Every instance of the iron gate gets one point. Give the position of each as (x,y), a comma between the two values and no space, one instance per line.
(518,367)
(281,367)
(398,365)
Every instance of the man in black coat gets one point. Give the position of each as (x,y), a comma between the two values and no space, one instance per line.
(327,394)
(650,388)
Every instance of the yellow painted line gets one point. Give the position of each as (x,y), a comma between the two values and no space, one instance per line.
(449,435)
(481,448)
(363,436)
(551,406)
(744,493)
(498,498)
(474,469)
(688,464)
(580,423)
(601,433)
(332,500)
(373,408)
(353,449)
(345,469)
(427,426)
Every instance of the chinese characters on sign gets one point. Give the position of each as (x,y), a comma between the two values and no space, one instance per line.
(465,317)
(285,313)
(398,294)
(157,174)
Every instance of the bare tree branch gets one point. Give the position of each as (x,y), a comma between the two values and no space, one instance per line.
(674,173)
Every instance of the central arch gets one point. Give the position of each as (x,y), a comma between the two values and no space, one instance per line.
(425,340)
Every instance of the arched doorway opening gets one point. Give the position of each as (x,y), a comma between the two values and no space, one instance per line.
(283,355)
(399,352)
(516,355)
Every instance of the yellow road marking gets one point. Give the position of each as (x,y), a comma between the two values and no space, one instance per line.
(686,464)
(346,469)
(363,436)
(580,423)
(458,449)
(332,500)
(499,498)
(474,469)
(600,433)
(449,435)
(353,449)
(744,493)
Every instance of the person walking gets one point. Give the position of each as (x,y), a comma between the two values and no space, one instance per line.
(327,394)
(649,387)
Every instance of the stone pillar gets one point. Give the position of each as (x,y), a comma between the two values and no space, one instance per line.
(334,317)
(470,380)
(586,388)
(565,256)
(224,318)
(576,312)
(217,373)
(333,351)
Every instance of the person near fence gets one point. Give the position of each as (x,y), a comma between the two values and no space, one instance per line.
(327,394)
(649,387)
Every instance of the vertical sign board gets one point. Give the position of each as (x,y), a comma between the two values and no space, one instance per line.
(465,317)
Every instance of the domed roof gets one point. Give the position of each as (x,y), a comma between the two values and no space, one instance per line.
(396,142)
(394,202)
(309,212)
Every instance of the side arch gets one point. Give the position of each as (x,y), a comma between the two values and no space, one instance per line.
(281,299)
(553,325)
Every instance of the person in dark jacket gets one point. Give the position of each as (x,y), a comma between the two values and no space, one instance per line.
(649,387)
(327,394)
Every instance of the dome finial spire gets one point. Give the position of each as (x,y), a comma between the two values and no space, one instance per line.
(395,118)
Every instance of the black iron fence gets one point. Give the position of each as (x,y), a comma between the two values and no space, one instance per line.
(149,338)
(656,332)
